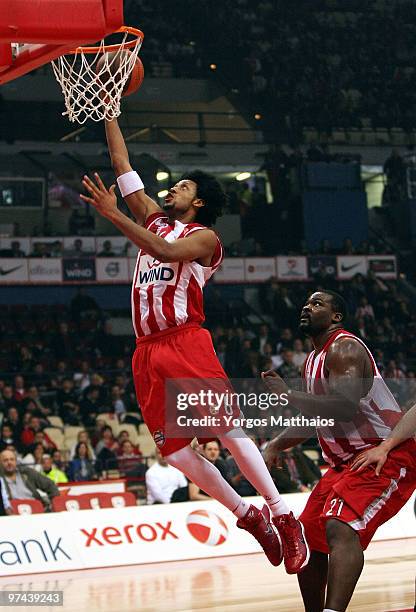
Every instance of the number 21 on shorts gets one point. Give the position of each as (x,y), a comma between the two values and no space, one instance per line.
(335,507)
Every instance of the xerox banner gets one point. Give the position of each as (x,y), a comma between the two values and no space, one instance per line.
(138,535)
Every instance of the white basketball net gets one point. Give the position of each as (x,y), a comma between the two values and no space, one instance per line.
(86,95)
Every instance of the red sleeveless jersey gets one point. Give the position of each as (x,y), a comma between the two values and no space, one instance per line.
(165,295)
(377,415)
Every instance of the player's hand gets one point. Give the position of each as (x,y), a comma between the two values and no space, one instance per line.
(271,454)
(377,455)
(104,200)
(274,382)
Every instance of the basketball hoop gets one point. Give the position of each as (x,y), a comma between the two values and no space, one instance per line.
(86,95)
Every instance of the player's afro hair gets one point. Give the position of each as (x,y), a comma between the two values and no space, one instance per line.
(211,193)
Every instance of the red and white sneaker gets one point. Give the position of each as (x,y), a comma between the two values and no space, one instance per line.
(295,548)
(258,524)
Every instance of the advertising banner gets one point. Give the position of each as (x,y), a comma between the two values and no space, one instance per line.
(258,269)
(292,268)
(322,265)
(112,269)
(383,266)
(79,270)
(232,270)
(350,265)
(45,270)
(13,270)
(137,535)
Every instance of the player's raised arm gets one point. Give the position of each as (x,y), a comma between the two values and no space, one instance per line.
(131,187)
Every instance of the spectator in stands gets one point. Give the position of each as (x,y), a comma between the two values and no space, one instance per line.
(41,409)
(24,483)
(19,388)
(15,250)
(34,457)
(52,471)
(7,399)
(106,450)
(83,436)
(275,360)
(364,310)
(39,250)
(212,451)
(58,460)
(299,355)
(91,406)
(5,506)
(130,460)
(107,250)
(288,369)
(33,433)
(12,418)
(56,249)
(77,249)
(81,467)
(82,378)
(8,437)
(264,337)
(117,402)
(162,480)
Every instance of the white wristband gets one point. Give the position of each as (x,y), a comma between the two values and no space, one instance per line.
(129,183)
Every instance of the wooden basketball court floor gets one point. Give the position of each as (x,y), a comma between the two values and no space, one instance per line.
(230,584)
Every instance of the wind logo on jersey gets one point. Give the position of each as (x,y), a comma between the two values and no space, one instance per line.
(152,271)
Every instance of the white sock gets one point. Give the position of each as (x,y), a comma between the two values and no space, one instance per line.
(329,610)
(206,476)
(242,508)
(251,464)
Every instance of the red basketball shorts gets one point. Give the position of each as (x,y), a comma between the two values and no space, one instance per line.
(184,356)
(361,499)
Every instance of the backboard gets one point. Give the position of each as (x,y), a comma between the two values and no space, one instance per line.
(35,33)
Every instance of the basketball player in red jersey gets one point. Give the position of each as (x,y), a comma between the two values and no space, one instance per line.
(348,505)
(178,254)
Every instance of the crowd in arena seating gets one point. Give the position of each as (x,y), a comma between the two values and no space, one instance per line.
(326,63)
(63,370)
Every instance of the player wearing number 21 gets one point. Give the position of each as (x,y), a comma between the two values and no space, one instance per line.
(178,252)
(352,499)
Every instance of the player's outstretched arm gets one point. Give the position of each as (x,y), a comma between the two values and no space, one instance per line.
(198,246)
(404,430)
(140,204)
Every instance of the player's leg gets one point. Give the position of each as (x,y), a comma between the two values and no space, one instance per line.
(346,562)
(312,582)
(251,464)
(209,479)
